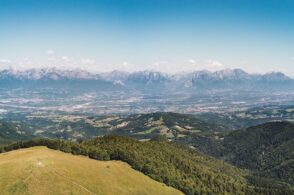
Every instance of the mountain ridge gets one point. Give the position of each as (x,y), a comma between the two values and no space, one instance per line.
(204,80)
(81,73)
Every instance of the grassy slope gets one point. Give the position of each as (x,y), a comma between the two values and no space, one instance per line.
(39,170)
(187,170)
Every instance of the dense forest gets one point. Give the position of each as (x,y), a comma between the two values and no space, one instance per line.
(266,149)
(187,170)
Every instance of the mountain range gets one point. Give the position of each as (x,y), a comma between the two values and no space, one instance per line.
(227,79)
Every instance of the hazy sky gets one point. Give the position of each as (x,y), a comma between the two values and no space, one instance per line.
(165,35)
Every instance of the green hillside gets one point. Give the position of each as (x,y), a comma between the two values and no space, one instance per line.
(171,125)
(140,126)
(189,171)
(10,132)
(176,165)
(267,150)
(40,170)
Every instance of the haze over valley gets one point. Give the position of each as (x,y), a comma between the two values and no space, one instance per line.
(76,91)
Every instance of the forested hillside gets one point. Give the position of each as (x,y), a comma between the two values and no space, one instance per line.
(171,125)
(10,132)
(78,126)
(266,149)
(187,170)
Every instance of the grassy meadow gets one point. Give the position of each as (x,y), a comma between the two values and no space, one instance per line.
(40,170)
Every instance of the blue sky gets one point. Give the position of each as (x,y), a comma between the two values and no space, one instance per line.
(165,35)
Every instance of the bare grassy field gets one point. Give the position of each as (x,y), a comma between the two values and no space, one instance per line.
(40,170)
